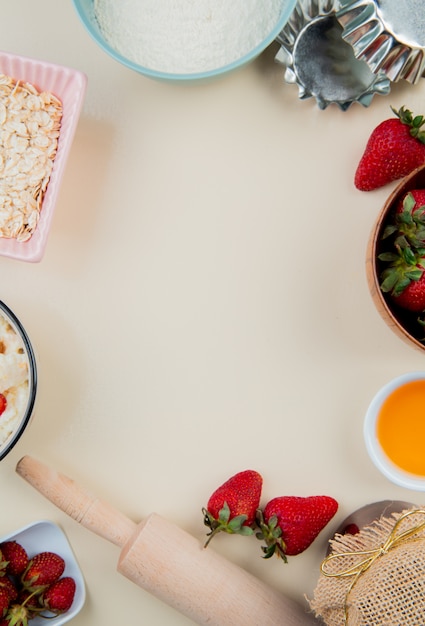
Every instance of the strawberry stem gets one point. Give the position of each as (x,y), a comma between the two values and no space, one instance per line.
(415,123)
(224,523)
(271,534)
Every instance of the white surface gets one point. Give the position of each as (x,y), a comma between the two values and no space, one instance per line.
(202,306)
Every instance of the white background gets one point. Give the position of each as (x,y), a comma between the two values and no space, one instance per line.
(202,306)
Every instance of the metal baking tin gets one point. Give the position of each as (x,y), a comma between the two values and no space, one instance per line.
(389,35)
(321,63)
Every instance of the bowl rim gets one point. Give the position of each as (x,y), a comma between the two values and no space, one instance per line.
(33,378)
(84,11)
(394,473)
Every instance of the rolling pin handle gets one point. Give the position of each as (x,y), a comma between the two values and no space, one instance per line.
(82,506)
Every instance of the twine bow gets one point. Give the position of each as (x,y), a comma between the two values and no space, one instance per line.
(394,539)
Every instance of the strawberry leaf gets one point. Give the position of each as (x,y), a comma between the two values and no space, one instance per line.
(392,282)
(415,123)
(271,533)
(405,217)
(268,551)
(224,513)
(389,257)
(414,274)
(409,202)
(224,523)
(236,523)
(400,286)
(389,230)
(418,240)
(408,255)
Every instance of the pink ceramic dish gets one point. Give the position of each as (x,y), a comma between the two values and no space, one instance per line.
(69,85)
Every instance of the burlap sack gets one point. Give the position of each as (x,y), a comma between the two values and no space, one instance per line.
(376,577)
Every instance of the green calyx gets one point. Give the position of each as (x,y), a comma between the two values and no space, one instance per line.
(224,523)
(405,261)
(408,226)
(414,122)
(404,267)
(271,534)
(21,614)
(18,615)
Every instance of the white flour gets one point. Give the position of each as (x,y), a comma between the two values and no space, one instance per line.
(185,36)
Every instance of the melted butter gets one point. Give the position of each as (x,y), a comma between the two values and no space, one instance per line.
(401,427)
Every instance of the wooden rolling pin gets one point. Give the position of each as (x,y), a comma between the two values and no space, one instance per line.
(168,562)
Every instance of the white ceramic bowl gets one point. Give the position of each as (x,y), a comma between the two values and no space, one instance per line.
(26,413)
(69,85)
(394,473)
(86,12)
(43,536)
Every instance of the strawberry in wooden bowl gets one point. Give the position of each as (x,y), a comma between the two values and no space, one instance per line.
(396,260)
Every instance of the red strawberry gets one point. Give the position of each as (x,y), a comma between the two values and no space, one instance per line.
(4,601)
(10,586)
(16,556)
(403,259)
(412,297)
(351,529)
(3,403)
(3,565)
(232,507)
(289,524)
(394,149)
(418,196)
(43,570)
(59,597)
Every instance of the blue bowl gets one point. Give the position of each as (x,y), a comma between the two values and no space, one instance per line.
(86,13)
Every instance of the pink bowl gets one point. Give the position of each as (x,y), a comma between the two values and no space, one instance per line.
(69,86)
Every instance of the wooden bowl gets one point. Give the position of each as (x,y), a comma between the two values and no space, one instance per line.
(402,322)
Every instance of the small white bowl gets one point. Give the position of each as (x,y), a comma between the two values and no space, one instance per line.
(394,473)
(69,85)
(46,536)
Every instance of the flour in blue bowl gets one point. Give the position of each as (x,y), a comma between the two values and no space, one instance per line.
(186,36)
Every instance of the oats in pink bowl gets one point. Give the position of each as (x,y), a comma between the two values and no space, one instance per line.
(40,105)
(29,130)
